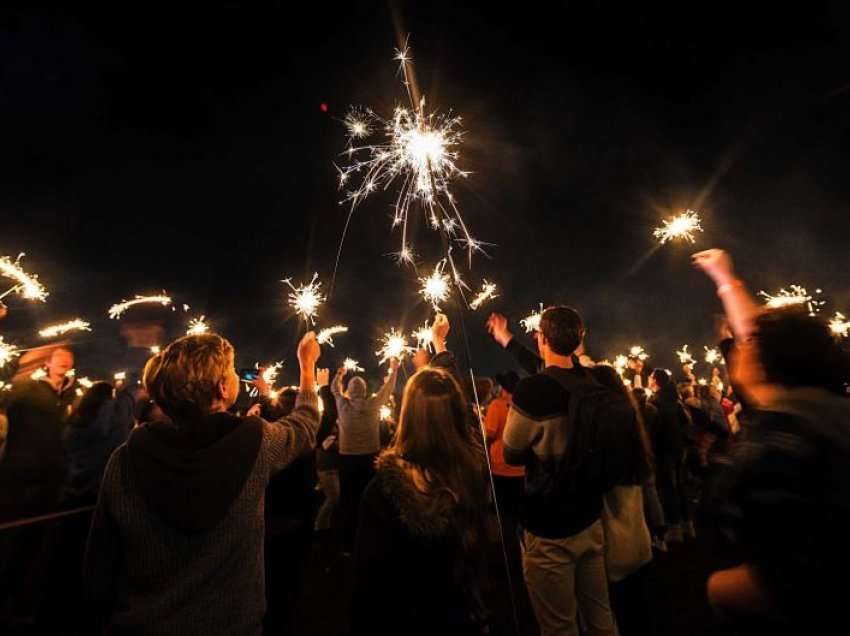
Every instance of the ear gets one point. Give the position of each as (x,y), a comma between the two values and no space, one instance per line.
(221,390)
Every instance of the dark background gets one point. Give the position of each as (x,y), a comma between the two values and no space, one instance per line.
(150,147)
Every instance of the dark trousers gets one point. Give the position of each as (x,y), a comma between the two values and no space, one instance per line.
(630,603)
(355,473)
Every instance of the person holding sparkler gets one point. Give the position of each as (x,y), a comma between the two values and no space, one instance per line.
(785,492)
(193,486)
(359,440)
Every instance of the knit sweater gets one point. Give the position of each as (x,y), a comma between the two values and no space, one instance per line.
(153,571)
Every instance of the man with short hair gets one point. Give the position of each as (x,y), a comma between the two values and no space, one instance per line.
(563,541)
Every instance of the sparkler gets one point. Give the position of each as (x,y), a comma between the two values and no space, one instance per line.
(532,321)
(393,345)
(620,363)
(682,227)
(120,376)
(8,352)
(435,288)
(326,335)
(85,383)
(713,356)
(685,357)
(155,349)
(271,372)
(385,413)
(71,373)
(794,295)
(352,365)
(839,325)
(305,299)
(415,149)
(57,330)
(116,310)
(197,327)
(488,292)
(38,374)
(638,353)
(26,285)
(424,336)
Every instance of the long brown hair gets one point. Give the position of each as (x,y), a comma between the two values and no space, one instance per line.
(434,434)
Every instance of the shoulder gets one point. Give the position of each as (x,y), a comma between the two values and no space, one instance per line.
(540,396)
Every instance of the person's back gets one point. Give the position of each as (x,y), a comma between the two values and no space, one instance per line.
(176,544)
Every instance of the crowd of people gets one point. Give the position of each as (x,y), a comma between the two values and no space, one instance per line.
(188,512)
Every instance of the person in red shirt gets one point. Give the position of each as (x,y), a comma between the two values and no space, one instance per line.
(508,480)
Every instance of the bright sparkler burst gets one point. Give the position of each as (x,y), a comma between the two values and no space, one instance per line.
(638,353)
(620,363)
(393,345)
(436,287)
(488,292)
(65,327)
(685,356)
(116,310)
(197,327)
(713,356)
(120,376)
(385,413)
(85,383)
(839,325)
(424,336)
(271,372)
(682,227)
(305,299)
(155,349)
(8,352)
(26,285)
(326,335)
(532,321)
(794,295)
(351,365)
(419,150)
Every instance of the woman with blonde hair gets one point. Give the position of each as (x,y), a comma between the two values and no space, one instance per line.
(176,544)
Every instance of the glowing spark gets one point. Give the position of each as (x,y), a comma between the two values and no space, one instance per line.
(488,292)
(8,352)
(155,349)
(638,353)
(271,372)
(424,336)
(85,383)
(839,325)
(26,285)
(532,321)
(116,310)
(120,376)
(393,345)
(352,365)
(197,327)
(436,287)
(685,357)
(273,395)
(415,149)
(79,392)
(65,327)
(385,412)
(305,299)
(326,335)
(713,356)
(71,373)
(703,382)
(620,363)
(793,295)
(682,226)
(38,374)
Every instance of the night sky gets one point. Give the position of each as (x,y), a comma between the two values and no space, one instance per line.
(153,148)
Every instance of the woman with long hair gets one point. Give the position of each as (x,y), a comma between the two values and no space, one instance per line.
(421,533)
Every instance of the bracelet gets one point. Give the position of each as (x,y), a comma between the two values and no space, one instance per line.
(726,287)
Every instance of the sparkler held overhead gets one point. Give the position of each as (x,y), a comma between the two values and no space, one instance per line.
(839,325)
(8,352)
(306,299)
(118,309)
(682,226)
(352,366)
(794,295)
(685,356)
(436,287)
(531,322)
(197,327)
(393,345)
(488,292)
(27,285)
(62,328)
(325,336)
(414,149)
(713,356)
